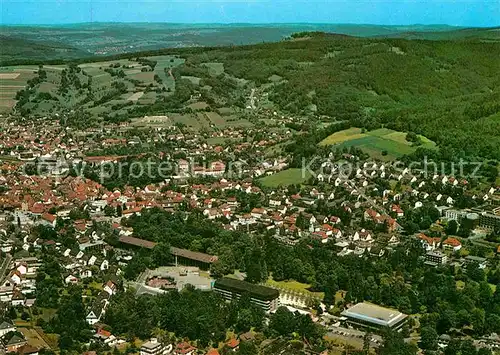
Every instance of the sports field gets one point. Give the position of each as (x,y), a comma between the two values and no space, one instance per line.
(382,143)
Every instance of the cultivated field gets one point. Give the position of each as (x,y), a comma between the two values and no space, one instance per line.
(90,86)
(381,143)
(13,79)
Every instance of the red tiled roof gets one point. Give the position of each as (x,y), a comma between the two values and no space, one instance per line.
(453,242)
(233,343)
(48,217)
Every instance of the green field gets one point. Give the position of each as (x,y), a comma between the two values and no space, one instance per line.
(286,177)
(295,286)
(377,141)
(214,68)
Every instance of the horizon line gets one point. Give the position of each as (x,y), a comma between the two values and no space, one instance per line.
(239,23)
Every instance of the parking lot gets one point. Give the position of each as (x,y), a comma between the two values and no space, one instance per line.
(352,336)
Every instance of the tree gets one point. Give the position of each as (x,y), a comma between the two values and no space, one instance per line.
(161,255)
(394,344)
(282,322)
(428,338)
(452,227)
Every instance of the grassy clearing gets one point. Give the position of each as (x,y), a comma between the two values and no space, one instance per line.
(193,79)
(198,106)
(188,120)
(286,177)
(214,68)
(295,286)
(215,118)
(392,143)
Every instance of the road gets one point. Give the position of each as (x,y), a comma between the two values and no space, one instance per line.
(371,201)
(252,99)
(5,267)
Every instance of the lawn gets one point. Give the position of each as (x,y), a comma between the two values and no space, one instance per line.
(382,143)
(286,177)
(292,285)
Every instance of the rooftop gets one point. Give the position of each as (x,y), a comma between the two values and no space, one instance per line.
(256,291)
(375,314)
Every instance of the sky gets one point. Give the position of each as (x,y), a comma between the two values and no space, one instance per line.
(483,13)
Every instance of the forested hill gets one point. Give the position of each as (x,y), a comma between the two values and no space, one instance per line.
(19,49)
(448,91)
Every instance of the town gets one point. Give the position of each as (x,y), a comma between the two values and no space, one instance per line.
(75,218)
(279,189)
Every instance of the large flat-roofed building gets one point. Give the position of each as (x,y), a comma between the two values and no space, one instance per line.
(436,257)
(265,297)
(489,220)
(368,315)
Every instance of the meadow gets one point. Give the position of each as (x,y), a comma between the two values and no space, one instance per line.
(381,143)
(285,177)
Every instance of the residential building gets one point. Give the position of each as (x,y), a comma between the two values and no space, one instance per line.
(481,262)
(436,258)
(6,327)
(265,297)
(489,220)
(154,347)
(451,244)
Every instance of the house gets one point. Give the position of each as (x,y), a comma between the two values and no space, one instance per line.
(362,235)
(18,298)
(70,279)
(320,235)
(49,219)
(6,327)
(110,288)
(27,350)
(397,210)
(98,308)
(233,344)
(428,243)
(15,343)
(335,220)
(452,244)
(184,348)
(248,336)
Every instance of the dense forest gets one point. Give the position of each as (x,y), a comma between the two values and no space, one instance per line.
(445,90)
